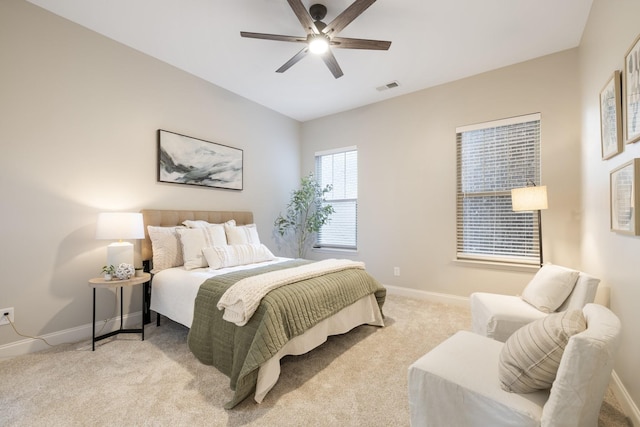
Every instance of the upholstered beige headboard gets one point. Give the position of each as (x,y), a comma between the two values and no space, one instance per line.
(168,218)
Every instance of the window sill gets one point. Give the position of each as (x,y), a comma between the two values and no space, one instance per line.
(497,265)
(334,250)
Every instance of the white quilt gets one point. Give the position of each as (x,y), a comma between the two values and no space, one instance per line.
(241,300)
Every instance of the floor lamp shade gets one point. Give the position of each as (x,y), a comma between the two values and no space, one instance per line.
(529,198)
(120,226)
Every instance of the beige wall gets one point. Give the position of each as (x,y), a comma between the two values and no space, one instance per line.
(407,172)
(78,120)
(611,29)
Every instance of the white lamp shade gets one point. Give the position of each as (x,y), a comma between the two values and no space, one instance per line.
(529,198)
(120,226)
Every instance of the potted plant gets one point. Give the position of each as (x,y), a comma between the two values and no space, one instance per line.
(306,213)
(108,271)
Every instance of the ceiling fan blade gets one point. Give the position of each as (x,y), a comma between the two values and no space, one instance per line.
(277,37)
(297,57)
(303,16)
(332,64)
(348,43)
(345,18)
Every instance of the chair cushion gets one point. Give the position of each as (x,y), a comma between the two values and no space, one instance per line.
(456,384)
(550,287)
(498,316)
(530,358)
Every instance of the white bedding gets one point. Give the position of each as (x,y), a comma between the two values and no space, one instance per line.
(241,300)
(174,291)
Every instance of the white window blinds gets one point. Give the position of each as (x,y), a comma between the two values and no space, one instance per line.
(493,158)
(340,169)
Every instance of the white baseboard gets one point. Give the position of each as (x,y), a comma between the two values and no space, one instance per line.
(429,296)
(628,405)
(79,333)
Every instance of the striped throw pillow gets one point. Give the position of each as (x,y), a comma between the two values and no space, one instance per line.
(232,255)
(242,234)
(530,357)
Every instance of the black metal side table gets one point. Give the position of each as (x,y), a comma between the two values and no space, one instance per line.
(99,282)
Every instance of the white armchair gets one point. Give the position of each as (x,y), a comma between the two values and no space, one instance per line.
(498,316)
(458,383)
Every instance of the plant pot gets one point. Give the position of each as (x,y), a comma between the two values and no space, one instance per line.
(107,276)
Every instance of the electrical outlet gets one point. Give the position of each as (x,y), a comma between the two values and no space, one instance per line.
(4,313)
(396,271)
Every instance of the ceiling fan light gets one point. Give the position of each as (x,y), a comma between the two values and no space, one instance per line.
(319,45)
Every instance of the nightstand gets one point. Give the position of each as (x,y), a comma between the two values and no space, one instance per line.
(99,282)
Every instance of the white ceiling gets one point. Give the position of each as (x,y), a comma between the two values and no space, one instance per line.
(433,42)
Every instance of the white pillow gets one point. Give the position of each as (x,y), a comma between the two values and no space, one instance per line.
(232,255)
(200,223)
(165,243)
(551,285)
(530,358)
(193,240)
(242,234)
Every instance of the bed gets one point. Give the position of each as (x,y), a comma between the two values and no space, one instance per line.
(288,320)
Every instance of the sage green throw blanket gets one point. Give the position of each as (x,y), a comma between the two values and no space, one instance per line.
(284,313)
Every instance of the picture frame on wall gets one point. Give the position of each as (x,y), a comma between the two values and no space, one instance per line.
(610,117)
(624,198)
(192,161)
(631,95)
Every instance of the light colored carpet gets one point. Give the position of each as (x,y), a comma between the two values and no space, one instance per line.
(359,378)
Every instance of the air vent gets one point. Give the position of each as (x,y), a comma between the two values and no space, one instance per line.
(390,85)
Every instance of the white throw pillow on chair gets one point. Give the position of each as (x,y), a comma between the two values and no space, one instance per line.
(550,287)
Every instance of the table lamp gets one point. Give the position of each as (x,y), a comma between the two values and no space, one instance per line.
(119,226)
(533,198)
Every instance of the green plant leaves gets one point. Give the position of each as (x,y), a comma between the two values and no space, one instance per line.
(306,213)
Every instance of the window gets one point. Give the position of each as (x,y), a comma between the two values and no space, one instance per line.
(339,168)
(493,158)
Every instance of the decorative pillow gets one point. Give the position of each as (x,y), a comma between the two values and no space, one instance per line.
(199,223)
(193,240)
(551,285)
(165,243)
(242,234)
(232,255)
(530,357)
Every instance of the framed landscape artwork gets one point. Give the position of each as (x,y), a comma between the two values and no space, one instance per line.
(186,160)
(632,93)
(610,120)
(623,187)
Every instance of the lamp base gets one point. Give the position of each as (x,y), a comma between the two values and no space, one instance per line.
(120,252)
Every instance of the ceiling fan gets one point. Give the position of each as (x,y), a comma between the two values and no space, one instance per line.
(321,37)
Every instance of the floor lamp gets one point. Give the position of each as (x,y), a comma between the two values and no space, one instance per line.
(533,198)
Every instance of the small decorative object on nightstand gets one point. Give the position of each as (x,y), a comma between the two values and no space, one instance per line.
(125,271)
(100,282)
